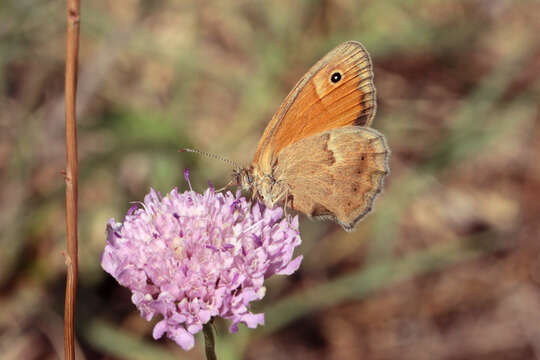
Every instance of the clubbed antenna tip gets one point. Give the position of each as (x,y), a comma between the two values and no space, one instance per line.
(210,155)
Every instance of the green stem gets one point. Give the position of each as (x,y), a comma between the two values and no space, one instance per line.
(209,341)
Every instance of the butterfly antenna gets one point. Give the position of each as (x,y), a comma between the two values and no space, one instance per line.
(211,156)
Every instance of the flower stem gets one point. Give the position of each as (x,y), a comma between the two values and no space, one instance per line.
(209,341)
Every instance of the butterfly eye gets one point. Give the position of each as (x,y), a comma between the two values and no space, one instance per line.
(335,77)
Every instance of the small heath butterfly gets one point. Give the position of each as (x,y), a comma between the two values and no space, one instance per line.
(318,154)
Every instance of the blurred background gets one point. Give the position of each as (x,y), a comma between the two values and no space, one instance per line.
(446,267)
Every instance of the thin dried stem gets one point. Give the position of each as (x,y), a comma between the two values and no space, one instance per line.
(71,175)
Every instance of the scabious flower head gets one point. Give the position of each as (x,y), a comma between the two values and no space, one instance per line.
(191,257)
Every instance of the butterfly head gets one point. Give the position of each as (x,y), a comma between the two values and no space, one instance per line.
(243,177)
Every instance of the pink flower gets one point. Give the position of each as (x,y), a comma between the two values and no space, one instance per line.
(191,257)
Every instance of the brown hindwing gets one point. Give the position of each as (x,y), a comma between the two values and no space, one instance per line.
(336,174)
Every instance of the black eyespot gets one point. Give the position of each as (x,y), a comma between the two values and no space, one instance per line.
(335,77)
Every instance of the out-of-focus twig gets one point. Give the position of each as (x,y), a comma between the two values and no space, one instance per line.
(71,175)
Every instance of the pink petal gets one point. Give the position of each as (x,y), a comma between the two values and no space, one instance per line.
(253,320)
(194,328)
(292,266)
(183,338)
(159,329)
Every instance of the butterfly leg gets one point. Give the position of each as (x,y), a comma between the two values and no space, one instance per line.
(253,195)
(285,203)
(284,194)
(229,184)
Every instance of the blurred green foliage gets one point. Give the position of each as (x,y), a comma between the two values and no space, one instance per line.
(447,266)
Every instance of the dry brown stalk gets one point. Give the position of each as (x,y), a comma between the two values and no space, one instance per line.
(71,176)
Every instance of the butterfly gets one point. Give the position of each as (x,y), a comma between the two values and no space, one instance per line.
(318,155)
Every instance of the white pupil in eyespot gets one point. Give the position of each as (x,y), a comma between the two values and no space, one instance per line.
(335,77)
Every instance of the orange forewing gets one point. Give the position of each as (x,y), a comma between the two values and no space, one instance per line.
(316,104)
